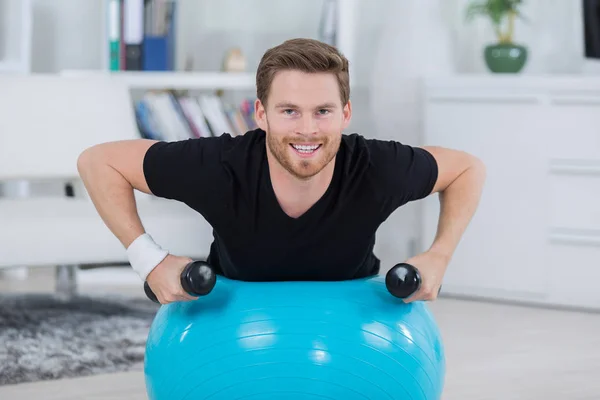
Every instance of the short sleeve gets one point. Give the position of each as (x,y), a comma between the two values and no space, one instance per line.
(190,171)
(401,173)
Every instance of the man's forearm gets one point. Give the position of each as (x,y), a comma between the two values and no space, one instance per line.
(113,198)
(458,203)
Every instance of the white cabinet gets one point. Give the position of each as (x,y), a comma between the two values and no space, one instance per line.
(536,234)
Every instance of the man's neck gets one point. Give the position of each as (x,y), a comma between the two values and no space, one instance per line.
(295,195)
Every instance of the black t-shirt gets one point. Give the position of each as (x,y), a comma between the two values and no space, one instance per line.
(226,179)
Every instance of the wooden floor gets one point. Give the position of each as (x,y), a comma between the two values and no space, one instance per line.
(494,351)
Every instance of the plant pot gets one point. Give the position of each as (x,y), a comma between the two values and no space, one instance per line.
(505,58)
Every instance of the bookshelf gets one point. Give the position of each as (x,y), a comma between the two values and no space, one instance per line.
(214,98)
(188,32)
(198,111)
(15,35)
(200,86)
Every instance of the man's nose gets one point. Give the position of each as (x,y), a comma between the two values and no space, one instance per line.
(308,125)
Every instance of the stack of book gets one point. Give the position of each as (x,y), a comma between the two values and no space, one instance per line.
(168,116)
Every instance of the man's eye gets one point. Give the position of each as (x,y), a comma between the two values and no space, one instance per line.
(288,111)
(323,112)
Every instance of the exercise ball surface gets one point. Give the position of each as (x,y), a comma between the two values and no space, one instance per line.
(295,340)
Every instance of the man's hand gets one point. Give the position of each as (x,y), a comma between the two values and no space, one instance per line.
(432,267)
(165,280)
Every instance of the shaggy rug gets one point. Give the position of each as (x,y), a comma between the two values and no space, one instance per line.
(44,337)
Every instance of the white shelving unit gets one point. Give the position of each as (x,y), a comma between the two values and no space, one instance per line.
(15,36)
(346,15)
(176,80)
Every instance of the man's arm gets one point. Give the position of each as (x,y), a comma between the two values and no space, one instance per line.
(110,172)
(180,170)
(459,183)
(461,177)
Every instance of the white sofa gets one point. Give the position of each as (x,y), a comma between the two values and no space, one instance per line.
(45,123)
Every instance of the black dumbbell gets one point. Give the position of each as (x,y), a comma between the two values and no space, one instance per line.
(197,279)
(403,280)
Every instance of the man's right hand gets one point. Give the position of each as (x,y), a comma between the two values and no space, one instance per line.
(165,280)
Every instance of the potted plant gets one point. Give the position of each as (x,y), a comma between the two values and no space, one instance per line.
(504,55)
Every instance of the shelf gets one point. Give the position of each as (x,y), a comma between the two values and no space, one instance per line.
(177,80)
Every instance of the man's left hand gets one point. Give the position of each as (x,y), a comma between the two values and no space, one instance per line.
(432,267)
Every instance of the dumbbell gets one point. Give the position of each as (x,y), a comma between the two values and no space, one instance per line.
(197,279)
(403,280)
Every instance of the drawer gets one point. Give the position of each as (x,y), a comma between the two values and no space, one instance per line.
(574,270)
(573,128)
(574,195)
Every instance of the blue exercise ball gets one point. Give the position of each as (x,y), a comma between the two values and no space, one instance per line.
(295,340)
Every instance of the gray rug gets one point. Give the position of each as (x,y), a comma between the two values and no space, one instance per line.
(43,337)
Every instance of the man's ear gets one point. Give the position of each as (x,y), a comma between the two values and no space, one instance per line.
(260,115)
(347,114)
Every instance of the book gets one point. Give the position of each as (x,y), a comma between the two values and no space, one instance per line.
(169,116)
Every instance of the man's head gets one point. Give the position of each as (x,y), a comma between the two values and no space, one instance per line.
(303,104)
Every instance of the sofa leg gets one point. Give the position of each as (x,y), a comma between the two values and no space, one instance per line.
(66,283)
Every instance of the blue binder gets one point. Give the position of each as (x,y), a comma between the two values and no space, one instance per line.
(158,51)
(156,54)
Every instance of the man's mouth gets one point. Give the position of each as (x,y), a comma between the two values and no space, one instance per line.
(305,148)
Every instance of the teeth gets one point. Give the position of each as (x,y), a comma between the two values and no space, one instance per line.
(305,148)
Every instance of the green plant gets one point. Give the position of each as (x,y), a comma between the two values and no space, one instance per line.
(502,13)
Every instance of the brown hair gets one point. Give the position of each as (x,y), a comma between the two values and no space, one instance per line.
(306,55)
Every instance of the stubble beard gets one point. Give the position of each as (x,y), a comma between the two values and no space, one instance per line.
(302,169)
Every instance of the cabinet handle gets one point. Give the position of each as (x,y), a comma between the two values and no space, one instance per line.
(581,237)
(576,101)
(575,167)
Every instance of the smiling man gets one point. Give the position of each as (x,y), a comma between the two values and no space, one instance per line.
(295,199)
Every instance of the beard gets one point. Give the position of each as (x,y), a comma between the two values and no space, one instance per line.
(303,168)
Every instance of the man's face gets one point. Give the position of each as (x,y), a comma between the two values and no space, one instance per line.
(304,119)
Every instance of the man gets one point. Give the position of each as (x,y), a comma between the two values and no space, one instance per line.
(293,200)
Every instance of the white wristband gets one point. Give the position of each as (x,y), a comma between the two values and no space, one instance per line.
(144,255)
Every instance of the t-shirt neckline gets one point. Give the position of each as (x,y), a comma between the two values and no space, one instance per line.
(314,208)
